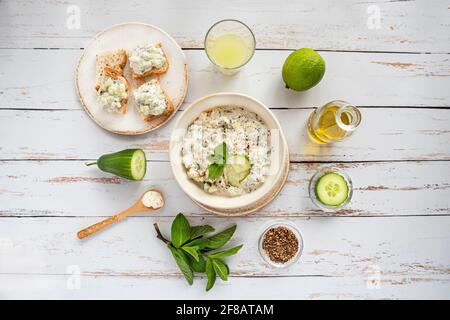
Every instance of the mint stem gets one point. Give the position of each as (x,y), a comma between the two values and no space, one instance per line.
(160,236)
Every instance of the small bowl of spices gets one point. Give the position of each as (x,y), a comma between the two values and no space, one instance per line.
(281,244)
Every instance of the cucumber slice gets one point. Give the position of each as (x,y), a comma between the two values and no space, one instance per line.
(130,163)
(138,165)
(237,169)
(332,189)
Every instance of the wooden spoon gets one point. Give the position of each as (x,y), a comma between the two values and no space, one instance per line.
(138,206)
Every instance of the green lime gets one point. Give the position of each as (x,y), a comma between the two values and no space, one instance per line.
(303,69)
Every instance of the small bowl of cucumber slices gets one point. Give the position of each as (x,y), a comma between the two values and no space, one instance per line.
(330,189)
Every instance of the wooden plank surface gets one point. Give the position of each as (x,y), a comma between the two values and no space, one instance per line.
(332,24)
(365,79)
(384,134)
(28,286)
(333,247)
(393,241)
(68,188)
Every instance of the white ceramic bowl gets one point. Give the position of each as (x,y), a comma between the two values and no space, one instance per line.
(278,158)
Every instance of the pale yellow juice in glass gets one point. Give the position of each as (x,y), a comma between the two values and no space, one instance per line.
(229,51)
(229,44)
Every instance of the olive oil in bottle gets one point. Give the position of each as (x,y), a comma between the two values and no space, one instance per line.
(333,122)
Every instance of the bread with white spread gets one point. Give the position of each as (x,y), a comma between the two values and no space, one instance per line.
(151,100)
(113,91)
(113,59)
(146,60)
(111,85)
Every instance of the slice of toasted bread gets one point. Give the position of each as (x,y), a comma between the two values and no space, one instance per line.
(109,72)
(152,71)
(166,113)
(112,59)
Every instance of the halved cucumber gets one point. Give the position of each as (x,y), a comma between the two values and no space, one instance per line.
(130,163)
(332,189)
(237,169)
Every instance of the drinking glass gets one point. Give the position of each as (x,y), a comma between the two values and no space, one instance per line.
(229,45)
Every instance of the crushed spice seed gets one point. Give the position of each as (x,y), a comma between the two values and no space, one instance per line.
(280,244)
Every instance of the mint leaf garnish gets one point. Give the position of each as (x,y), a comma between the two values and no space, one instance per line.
(218,161)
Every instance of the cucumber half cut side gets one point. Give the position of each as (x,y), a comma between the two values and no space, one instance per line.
(130,163)
(138,165)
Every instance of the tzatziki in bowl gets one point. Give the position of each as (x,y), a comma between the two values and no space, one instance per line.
(227,151)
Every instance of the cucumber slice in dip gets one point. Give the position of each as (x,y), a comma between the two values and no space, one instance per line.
(129,164)
(332,189)
(237,169)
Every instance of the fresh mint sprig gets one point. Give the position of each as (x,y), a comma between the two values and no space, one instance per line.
(217,160)
(192,250)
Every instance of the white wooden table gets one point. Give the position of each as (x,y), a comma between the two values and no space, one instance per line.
(392,242)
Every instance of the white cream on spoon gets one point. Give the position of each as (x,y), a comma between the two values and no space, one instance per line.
(152,199)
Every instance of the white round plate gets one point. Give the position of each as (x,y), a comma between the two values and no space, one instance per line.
(127,36)
(279,157)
